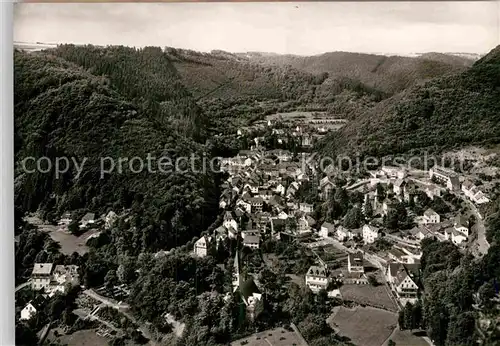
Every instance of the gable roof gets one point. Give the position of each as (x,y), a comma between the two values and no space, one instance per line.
(430,212)
(88,217)
(412,269)
(42,268)
(317,271)
(328,225)
(248,288)
(228,216)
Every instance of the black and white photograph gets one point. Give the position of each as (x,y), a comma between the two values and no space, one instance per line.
(256,173)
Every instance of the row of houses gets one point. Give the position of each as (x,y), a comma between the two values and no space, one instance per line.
(452,182)
(404,278)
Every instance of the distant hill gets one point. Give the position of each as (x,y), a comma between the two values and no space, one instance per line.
(225,75)
(446,112)
(389,74)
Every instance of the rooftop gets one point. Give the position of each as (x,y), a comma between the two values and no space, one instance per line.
(42,268)
(317,271)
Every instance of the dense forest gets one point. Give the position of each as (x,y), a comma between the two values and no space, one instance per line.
(64,111)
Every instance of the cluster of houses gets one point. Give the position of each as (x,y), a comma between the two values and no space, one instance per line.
(307,130)
(85,222)
(51,279)
(260,197)
(452,182)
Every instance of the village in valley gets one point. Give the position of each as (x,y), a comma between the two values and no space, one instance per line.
(354,237)
(361,233)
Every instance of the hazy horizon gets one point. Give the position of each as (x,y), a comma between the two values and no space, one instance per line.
(312,28)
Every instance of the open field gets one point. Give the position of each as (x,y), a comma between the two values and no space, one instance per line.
(69,243)
(86,337)
(406,338)
(274,337)
(368,295)
(364,326)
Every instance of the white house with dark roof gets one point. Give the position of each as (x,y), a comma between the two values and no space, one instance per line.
(343,234)
(306,207)
(370,233)
(305,223)
(41,276)
(229,221)
(326,229)
(461,224)
(32,308)
(317,278)
(430,216)
(403,279)
(202,246)
(445,176)
(393,172)
(472,192)
(456,237)
(65,219)
(420,233)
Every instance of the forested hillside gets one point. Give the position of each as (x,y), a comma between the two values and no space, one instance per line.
(146,77)
(389,74)
(63,111)
(443,113)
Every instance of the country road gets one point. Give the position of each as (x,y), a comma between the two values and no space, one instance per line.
(481,245)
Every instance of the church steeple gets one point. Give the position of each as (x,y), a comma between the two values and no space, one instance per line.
(236,272)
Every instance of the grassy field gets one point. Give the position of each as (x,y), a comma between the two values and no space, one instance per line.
(406,338)
(364,326)
(69,243)
(368,295)
(84,338)
(274,337)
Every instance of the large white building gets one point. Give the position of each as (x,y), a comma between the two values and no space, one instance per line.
(229,221)
(54,279)
(403,280)
(41,276)
(445,176)
(202,246)
(370,234)
(430,216)
(317,278)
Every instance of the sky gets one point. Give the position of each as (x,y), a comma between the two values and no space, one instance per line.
(303,28)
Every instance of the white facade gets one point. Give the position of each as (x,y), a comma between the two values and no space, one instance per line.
(370,234)
(317,279)
(41,276)
(201,246)
(28,312)
(306,208)
(326,229)
(430,216)
(355,263)
(229,221)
